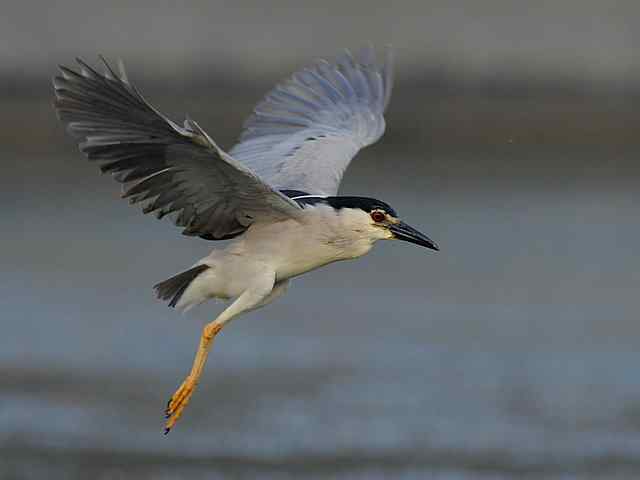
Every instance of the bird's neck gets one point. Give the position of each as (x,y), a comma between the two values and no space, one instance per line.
(343,233)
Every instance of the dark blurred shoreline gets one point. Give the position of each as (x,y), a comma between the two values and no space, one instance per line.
(91,463)
(421,115)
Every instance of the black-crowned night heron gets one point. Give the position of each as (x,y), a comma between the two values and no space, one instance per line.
(274,192)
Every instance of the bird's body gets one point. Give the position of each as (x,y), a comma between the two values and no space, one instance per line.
(281,251)
(273,195)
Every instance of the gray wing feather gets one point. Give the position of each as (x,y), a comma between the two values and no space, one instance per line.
(305,132)
(170,169)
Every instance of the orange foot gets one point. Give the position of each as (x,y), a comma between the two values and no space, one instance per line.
(178,402)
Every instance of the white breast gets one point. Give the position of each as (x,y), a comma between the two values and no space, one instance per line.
(291,247)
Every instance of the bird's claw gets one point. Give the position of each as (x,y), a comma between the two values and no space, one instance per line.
(178,402)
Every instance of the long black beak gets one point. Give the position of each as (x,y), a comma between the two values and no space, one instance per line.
(402,231)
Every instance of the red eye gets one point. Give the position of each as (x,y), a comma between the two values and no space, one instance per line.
(378,216)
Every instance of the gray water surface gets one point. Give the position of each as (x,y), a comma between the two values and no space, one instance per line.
(512,353)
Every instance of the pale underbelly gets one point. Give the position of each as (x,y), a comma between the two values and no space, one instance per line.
(286,270)
(299,253)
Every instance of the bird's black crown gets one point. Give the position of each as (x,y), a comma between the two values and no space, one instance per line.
(363,203)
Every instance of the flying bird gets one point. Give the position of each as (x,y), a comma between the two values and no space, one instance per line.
(274,194)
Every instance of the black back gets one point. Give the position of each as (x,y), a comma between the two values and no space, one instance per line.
(363,203)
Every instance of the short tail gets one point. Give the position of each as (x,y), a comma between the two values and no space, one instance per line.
(173,288)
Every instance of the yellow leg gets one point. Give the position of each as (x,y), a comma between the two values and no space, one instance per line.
(180,399)
(261,292)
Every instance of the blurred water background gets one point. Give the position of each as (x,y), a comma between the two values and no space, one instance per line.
(512,141)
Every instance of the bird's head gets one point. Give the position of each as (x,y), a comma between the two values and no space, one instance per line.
(378,220)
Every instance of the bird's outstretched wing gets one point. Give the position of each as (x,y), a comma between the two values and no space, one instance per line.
(171,169)
(305,132)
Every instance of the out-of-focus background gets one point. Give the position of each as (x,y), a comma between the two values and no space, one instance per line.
(512,140)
